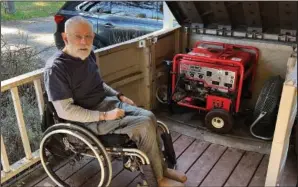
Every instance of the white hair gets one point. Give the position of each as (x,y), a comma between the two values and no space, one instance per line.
(76,20)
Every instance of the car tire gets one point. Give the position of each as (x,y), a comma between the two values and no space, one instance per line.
(219,121)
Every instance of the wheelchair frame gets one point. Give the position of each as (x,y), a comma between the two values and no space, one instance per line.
(100,152)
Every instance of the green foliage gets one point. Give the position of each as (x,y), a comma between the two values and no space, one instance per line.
(31,9)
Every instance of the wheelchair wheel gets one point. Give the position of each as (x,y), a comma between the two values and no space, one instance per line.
(74,144)
(167,143)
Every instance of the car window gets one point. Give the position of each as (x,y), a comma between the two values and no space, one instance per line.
(91,6)
(138,9)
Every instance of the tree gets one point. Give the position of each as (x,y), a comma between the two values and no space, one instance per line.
(9,7)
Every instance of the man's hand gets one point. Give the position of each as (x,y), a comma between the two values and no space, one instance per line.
(114,114)
(126,100)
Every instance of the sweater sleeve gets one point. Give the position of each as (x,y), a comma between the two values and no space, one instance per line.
(109,91)
(66,109)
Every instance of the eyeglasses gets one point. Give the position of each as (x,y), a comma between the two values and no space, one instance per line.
(79,37)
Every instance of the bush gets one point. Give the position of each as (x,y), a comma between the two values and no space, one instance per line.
(17,60)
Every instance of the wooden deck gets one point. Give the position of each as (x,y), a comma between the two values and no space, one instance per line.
(205,164)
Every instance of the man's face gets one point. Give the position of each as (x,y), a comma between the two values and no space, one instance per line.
(79,40)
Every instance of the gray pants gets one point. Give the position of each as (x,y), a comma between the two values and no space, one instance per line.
(139,124)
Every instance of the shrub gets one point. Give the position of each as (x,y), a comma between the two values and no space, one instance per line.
(17,60)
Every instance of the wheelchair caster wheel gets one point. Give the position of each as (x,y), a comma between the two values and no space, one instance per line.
(143,184)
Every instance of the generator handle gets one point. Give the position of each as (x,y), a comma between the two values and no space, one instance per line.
(231,46)
(197,44)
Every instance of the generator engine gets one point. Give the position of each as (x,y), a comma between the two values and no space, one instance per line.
(214,77)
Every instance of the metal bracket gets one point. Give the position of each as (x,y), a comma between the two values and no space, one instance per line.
(186,29)
(154,40)
(197,28)
(254,34)
(224,30)
(142,44)
(287,35)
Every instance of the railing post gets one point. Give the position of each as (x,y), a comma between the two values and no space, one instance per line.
(21,122)
(39,96)
(4,158)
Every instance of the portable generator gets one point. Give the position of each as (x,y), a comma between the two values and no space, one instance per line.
(214,77)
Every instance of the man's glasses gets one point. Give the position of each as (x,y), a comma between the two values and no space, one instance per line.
(79,37)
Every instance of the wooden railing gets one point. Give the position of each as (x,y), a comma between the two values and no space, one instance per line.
(30,158)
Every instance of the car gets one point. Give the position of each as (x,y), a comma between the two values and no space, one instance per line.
(113,21)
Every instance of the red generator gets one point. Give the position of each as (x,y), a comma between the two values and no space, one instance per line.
(214,77)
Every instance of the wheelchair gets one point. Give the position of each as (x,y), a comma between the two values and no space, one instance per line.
(63,141)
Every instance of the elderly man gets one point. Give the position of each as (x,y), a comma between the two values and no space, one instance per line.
(79,95)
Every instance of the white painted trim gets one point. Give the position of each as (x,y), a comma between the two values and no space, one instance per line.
(168,18)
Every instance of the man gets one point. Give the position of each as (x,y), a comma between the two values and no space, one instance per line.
(79,95)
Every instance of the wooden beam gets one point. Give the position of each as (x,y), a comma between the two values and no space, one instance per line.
(39,96)
(283,128)
(126,80)
(4,158)
(189,9)
(221,15)
(21,122)
(288,17)
(251,11)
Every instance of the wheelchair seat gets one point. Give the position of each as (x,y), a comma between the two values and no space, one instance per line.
(62,140)
(116,140)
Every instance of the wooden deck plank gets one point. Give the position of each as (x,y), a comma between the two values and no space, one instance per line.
(203,165)
(117,167)
(221,171)
(175,135)
(85,173)
(191,154)
(65,171)
(260,175)
(124,178)
(138,179)
(245,170)
(181,144)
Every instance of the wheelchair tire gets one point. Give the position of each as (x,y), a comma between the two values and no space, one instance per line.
(83,135)
(168,152)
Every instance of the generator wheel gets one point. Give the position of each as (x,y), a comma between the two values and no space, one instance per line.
(219,121)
